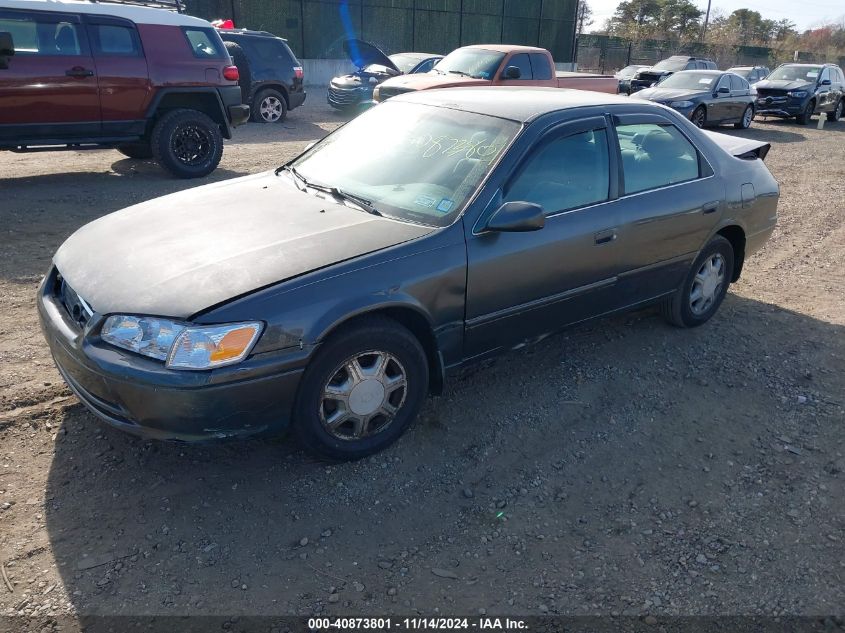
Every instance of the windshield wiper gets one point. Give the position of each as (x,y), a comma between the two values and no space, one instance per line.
(335,192)
(295,172)
(459,72)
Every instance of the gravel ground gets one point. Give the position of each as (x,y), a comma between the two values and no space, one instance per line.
(622,467)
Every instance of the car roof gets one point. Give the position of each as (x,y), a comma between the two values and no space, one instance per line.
(507,48)
(513,102)
(418,55)
(138,14)
(248,33)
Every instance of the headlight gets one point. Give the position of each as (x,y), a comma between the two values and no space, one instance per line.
(797,94)
(181,345)
(680,104)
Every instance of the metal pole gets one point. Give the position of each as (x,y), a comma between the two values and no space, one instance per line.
(706,20)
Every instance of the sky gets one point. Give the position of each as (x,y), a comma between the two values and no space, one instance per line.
(805,13)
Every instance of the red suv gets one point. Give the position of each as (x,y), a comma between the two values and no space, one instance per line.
(147,81)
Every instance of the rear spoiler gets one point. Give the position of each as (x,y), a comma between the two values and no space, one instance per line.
(745,148)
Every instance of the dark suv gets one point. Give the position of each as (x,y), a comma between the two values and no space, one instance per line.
(148,82)
(271,76)
(662,69)
(801,90)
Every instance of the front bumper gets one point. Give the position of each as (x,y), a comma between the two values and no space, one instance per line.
(296,99)
(779,107)
(139,395)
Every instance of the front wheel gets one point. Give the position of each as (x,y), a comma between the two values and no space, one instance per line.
(699,117)
(747,118)
(704,288)
(806,113)
(187,143)
(836,114)
(361,391)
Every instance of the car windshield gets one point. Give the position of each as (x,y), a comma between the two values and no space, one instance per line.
(405,63)
(672,65)
(379,69)
(689,81)
(408,161)
(795,73)
(475,62)
(627,72)
(742,72)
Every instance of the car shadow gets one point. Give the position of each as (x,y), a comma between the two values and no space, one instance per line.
(766,134)
(258,527)
(291,129)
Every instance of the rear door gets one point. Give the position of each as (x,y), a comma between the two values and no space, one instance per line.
(669,204)
(740,96)
(49,90)
(122,78)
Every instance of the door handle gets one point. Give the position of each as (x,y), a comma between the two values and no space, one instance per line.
(710,207)
(605,237)
(79,71)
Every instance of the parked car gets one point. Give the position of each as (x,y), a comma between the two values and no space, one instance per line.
(706,97)
(347,92)
(351,283)
(495,65)
(751,74)
(625,75)
(148,82)
(664,68)
(271,77)
(802,90)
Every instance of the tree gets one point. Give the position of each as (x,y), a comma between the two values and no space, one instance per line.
(657,19)
(585,15)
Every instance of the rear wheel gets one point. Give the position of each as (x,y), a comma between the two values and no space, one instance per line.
(269,106)
(139,150)
(704,288)
(361,391)
(244,69)
(699,117)
(187,143)
(807,113)
(836,114)
(747,118)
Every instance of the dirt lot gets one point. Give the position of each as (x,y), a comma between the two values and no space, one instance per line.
(622,467)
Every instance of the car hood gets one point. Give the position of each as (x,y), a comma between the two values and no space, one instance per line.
(182,253)
(783,84)
(358,79)
(362,54)
(668,94)
(433,79)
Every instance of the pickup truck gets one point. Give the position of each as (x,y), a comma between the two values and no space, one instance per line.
(495,65)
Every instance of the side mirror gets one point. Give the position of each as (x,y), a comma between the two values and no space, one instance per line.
(724,90)
(825,82)
(517,217)
(512,72)
(7,49)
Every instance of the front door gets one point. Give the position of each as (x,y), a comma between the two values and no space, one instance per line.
(524,285)
(49,89)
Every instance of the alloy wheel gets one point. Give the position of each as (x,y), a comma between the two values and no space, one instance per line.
(191,144)
(699,117)
(707,284)
(363,395)
(270,109)
(747,117)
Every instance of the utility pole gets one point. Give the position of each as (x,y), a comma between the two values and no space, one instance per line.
(706,20)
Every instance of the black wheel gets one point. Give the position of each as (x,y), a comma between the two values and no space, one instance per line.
(807,113)
(747,117)
(705,286)
(187,143)
(269,106)
(139,151)
(362,390)
(836,114)
(240,60)
(699,117)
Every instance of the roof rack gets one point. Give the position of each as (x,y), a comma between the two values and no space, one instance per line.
(172,5)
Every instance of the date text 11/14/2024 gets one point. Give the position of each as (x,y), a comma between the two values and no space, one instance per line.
(417,624)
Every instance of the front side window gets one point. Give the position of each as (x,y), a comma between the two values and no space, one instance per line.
(738,84)
(110,39)
(34,34)
(522,62)
(205,43)
(412,162)
(564,173)
(655,155)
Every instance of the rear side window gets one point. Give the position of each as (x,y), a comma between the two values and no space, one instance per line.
(270,53)
(522,62)
(114,40)
(42,35)
(738,83)
(540,66)
(565,173)
(205,43)
(655,156)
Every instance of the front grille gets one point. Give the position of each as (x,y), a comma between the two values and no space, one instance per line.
(77,308)
(343,97)
(648,77)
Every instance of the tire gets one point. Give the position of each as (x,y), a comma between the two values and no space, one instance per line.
(269,106)
(836,113)
(699,116)
(187,143)
(807,114)
(240,60)
(370,341)
(140,151)
(747,117)
(679,308)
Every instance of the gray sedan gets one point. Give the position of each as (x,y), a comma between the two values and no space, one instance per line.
(706,97)
(436,230)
